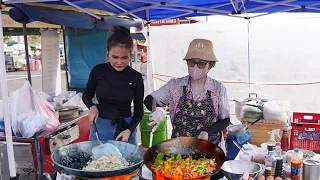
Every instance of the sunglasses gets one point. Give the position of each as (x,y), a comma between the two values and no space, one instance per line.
(200,64)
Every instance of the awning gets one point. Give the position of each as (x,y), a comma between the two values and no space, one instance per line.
(28,14)
(170,9)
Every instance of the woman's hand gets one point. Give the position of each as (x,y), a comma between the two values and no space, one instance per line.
(124,135)
(203,135)
(245,176)
(93,114)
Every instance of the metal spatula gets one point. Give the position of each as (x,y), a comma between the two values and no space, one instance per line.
(103,149)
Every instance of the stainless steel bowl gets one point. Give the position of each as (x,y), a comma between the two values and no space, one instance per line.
(235,168)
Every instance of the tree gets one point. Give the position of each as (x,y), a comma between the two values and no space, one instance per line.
(34,39)
(6,39)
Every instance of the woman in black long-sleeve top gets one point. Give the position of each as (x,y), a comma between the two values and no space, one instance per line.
(116,85)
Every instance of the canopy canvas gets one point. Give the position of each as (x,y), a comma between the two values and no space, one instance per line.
(152,10)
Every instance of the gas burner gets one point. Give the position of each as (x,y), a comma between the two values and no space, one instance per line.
(123,177)
(131,176)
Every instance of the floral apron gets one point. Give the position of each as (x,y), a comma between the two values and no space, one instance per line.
(192,117)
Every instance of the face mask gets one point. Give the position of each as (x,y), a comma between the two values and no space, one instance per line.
(197,73)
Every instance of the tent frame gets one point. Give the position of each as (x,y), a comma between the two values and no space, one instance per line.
(238,11)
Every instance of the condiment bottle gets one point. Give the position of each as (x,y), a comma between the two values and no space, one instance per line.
(296,165)
(270,164)
(272,142)
(279,160)
(285,138)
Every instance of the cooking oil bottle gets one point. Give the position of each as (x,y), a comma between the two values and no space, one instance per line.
(270,164)
(296,165)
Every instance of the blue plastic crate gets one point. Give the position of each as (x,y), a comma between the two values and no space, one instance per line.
(2,127)
(2,124)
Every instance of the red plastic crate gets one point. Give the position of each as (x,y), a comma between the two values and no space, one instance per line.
(306,117)
(305,136)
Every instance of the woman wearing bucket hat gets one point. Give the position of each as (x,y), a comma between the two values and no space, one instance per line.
(198,104)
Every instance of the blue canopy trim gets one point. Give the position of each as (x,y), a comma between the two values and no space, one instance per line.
(167,9)
(27,14)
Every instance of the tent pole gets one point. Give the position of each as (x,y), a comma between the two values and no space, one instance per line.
(27,52)
(150,68)
(249,61)
(5,99)
(136,54)
(65,56)
(82,9)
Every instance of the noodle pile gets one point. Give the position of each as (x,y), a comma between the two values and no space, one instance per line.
(107,163)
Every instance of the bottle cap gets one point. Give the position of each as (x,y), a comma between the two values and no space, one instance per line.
(271,153)
(296,149)
(278,144)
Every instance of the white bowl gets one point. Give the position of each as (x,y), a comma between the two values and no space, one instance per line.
(247,147)
(264,145)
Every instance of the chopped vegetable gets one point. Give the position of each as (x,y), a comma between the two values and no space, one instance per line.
(171,166)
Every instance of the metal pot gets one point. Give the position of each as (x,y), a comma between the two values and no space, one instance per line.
(234,169)
(144,173)
(240,104)
(186,146)
(72,158)
(311,169)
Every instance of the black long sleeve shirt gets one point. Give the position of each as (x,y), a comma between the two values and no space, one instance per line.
(115,91)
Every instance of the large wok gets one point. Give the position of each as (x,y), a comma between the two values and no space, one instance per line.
(186,146)
(72,158)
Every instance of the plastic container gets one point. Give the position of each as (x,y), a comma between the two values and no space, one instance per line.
(286,171)
(259,155)
(277,152)
(296,165)
(246,157)
(159,135)
(305,136)
(38,65)
(270,164)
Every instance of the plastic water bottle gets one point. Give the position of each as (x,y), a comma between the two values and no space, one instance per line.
(270,164)
(296,165)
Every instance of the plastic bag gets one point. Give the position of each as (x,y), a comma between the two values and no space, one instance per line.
(17,108)
(30,123)
(273,111)
(251,112)
(76,101)
(45,96)
(47,110)
(33,114)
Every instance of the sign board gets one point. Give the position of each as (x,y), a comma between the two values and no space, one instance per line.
(165,22)
(161,23)
(51,72)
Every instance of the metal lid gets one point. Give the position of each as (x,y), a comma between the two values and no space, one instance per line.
(311,162)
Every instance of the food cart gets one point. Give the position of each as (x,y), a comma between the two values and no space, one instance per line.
(148,9)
